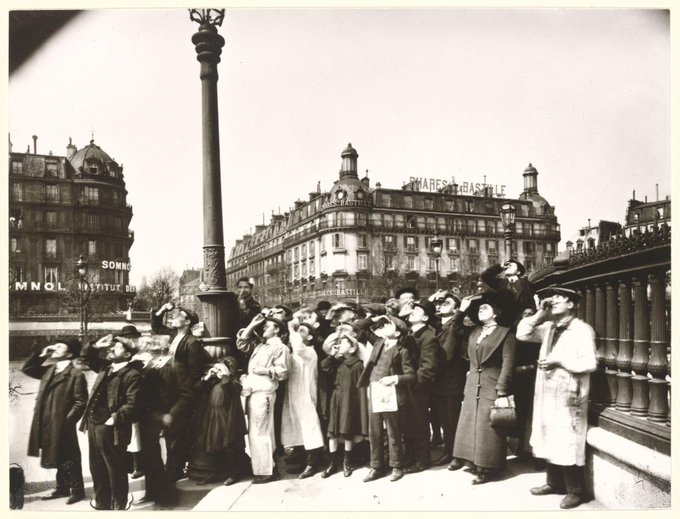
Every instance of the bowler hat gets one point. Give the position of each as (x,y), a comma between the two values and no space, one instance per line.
(74,346)
(129,330)
(278,322)
(572,295)
(501,304)
(428,307)
(322,306)
(375,308)
(449,295)
(520,268)
(407,290)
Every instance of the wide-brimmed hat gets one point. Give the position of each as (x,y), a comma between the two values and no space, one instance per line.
(130,330)
(428,307)
(501,303)
(407,290)
(572,295)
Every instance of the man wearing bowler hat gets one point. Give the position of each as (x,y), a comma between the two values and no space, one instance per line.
(60,403)
(560,421)
(426,358)
(268,365)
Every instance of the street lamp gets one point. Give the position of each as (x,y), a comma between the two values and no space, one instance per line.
(436,247)
(508,218)
(81,271)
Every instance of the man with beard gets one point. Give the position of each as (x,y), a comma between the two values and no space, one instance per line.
(60,403)
(248,307)
(109,415)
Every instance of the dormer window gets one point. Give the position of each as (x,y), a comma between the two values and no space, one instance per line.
(93,168)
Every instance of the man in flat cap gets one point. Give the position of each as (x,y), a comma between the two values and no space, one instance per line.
(560,421)
(60,403)
(189,359)
(268,365)
(426,358)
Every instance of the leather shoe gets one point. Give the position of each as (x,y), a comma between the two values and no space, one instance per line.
(415,468)
(74,498)
(373,474)
(258,480)
(307,473)
(144,500)
(456,464)
(545,490)
(397,474)
(481,478)
(443,460)
(56,494)
(230,481)
(571,501)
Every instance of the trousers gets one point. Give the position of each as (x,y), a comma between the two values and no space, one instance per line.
(261,432)
(570,478)
(448,409)
(377,438)
(108,468)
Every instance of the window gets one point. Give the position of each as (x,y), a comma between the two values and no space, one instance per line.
(304,269)
(472,225)
(51,169)
(549,248)
(408,202)
(312,247)
(19,274)
(388,241)
(304,251)
(312,268)
(410,242)
(92,247)
(296,253)
(450,206)
(51,193)
(528,264)
(389,262)
(659,213)
(452,245)
(17,167)
(411,263)
(92,221)
(529,247)
(13,245)
(322,244)
(51,219)
(492,246)
(17,191)
(288,255)
(472,245)
(52,275)
(433,264)
(386,200)
(296,271)
(362,261)
(429,203)
(362,219)
(118,277)
(92,168)
(51,248)
(91,195)
(338,241)
(362,241)
(480,225)
(388,221)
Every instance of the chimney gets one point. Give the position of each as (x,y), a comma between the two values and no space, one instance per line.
(9,139)
(71,150)
(35,145)
(318,186)
(657,192)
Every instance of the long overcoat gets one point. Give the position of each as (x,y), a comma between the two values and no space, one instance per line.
(491,367)
(450,377)
(560,420)
(349,404)
(60,403)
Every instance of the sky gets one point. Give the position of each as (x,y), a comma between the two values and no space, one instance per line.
(582,94)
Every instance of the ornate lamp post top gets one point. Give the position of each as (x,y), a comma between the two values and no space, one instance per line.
(81,266)
(508,214)
(436,244)
(207,18)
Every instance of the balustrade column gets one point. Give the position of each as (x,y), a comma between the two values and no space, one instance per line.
(640,404)
(611,345)
(658,360)
(598,383)
(624,393)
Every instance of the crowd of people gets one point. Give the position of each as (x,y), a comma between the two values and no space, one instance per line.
(325,389)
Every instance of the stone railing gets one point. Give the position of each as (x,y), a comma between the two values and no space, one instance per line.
(625,289)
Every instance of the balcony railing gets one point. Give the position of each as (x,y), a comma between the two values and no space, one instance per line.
(625,288)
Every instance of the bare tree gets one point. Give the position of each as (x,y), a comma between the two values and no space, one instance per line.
(162,288)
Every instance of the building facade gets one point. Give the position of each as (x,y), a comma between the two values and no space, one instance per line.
(359,241)
(62,208)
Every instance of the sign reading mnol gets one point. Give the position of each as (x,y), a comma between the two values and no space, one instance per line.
(37,286)
(463,188)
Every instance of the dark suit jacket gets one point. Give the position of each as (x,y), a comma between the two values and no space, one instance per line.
(450,378)
(122,391)
(400,365)
(426,357)
(520,291)
(189,362)
(59,405)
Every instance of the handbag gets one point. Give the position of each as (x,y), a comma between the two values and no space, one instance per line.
(504,416)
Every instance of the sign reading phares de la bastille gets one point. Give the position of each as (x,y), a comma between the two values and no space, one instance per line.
(462,188)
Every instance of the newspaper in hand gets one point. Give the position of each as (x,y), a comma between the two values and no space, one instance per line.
(383,398)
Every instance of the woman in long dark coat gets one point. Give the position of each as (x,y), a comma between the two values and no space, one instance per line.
(491,350)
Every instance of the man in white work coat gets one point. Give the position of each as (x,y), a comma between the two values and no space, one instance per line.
(560,420)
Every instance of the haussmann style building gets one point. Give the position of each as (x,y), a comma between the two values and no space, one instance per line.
(62,208)
(360,241)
